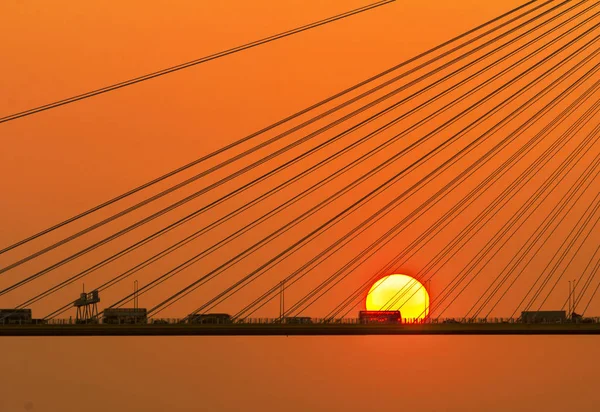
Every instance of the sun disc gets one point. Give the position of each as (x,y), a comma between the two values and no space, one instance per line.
(399,292)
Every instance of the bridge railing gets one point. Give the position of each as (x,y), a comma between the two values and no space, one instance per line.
(306,320)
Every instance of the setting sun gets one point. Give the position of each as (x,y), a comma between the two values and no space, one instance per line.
(399,292)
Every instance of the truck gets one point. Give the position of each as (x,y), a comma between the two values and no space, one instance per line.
(544,316)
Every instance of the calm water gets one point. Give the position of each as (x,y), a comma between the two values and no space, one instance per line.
(300,374)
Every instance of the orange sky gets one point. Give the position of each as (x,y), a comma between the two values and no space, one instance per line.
(61,162)
(67,160)
(93,150)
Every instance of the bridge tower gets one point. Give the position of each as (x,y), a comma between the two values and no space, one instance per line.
(87,307)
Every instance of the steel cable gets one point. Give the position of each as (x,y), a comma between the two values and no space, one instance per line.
(268,128)
(301,195)
(444,144)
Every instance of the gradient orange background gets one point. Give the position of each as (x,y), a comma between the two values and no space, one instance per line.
(61,162)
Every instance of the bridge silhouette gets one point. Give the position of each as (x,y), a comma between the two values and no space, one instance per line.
(472,166)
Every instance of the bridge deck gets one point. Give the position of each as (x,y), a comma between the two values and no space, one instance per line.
(300,330)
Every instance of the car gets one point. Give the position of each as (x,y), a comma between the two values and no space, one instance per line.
(160,322)
(450,321)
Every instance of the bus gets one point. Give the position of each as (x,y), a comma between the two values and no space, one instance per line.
(379,316)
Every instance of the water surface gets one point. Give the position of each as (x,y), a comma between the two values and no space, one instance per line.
(371,373)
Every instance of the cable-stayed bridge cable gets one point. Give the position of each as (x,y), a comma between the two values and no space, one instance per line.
(453,182)
(443,145)
(538,38)
(268,128)
(573,235)
(570,246)
(367,284)
(192,63)
(131,227)
(271,156)
(547,188)
(544,227)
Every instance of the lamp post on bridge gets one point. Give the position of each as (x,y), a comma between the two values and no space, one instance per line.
(282,300)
